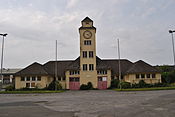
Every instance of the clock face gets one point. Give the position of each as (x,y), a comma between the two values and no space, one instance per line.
(87,34)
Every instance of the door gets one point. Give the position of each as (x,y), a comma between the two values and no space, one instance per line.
(74,83)
(102,83)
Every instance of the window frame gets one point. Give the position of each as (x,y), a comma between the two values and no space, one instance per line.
(91,67)
(85,67)
(85,54)
(91,54)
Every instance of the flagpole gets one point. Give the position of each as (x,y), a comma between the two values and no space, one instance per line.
(119,66)
(56,67)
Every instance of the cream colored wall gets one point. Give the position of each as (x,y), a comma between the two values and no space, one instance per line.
(18,83)
(132,79)
(88,76)
(45,81)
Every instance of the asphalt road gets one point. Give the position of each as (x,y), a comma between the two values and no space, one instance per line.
(95,103)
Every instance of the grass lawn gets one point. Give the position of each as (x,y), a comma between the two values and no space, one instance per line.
(146,89)
(29,92)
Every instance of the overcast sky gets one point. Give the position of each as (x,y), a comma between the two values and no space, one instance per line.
(34,25)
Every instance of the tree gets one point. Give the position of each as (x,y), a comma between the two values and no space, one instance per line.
(114,83)
(54,84)
(142,84)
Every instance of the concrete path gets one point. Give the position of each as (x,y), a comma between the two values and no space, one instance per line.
(96,103)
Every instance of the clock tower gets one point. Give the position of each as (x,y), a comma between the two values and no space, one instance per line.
(88,71)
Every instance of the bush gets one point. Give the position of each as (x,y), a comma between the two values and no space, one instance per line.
(114,83)
(10,88)
(125,85)
(142,84)
(83,87)
(87,86)
(54,84)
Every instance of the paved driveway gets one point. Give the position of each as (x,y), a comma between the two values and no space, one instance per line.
(96,103)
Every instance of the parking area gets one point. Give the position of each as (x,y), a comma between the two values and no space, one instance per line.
(95,103)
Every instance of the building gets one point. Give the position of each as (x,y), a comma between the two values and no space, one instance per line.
(88,67)
(8,77)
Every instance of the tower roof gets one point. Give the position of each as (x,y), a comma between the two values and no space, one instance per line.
(87,19)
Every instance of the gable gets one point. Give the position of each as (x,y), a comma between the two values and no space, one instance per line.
(33,69)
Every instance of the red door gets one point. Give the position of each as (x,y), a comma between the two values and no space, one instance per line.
(102,83)
(74,83)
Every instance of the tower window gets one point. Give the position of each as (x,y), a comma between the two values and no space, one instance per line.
(84,67)
(91,54)
(91,67)
(84,54)
(87,42)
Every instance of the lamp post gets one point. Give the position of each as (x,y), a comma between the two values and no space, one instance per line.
(2,54)
(172,31)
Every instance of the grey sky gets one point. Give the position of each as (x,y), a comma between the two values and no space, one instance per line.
(34,25)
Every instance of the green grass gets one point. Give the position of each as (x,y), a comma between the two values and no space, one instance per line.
(146,89)
(29,92)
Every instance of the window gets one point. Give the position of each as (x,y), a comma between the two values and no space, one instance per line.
(28,78)
(64,78)
(59,79)
(91,67)
(142,75)
(27,85)
(22,78)
(100,79)
(71,79)
(84,54)
(77,80)
(32,84)
(91,55)
(102,72)
(39,78)
(33,78)
(87,42)
(74,72)
(84,67)
(137,76)
(153,76)
(148,75)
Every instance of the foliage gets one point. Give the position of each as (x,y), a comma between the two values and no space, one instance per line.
(168,77)
(54,84)
(10,88)
(165,68)
(125,85)
(87,86)
(142,84)
(114,83)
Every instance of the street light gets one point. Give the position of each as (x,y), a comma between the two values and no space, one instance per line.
(1,79)
(172,31)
